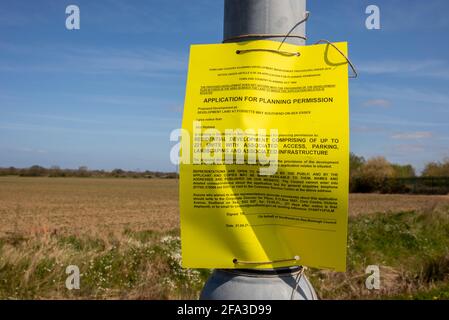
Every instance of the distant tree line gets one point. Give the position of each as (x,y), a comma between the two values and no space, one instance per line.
(373,175)
(83,171)
(378,175)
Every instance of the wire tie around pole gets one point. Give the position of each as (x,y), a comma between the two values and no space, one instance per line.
(284,36)
(284,53)
(355,74)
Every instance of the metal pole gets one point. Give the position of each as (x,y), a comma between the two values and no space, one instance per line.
(261,17)
(243,17)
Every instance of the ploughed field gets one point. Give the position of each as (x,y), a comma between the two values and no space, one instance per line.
(124,236)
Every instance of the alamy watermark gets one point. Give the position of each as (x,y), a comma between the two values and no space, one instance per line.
(233,146)
(73,280)
(373,280)
(73,20)
(372,22)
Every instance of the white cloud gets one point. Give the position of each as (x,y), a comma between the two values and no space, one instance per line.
(367,129)
(398,93)
(377,103)
(392,121)
(419,68)
(30,150)
(57,117)
(407,149)
(79,131)
(88,60)
(412,135)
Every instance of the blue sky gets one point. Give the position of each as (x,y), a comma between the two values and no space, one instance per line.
(108,95)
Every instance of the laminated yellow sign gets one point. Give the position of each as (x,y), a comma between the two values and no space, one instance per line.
(265,156)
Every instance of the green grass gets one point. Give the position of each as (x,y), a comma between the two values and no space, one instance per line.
(395,239)
(411,248)
(137,265)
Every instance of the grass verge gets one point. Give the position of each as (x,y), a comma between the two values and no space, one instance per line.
(411,248)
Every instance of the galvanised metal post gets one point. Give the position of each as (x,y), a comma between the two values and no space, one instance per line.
(246,17)
(261,17)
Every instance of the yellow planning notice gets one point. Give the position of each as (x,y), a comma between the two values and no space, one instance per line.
(265,156)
